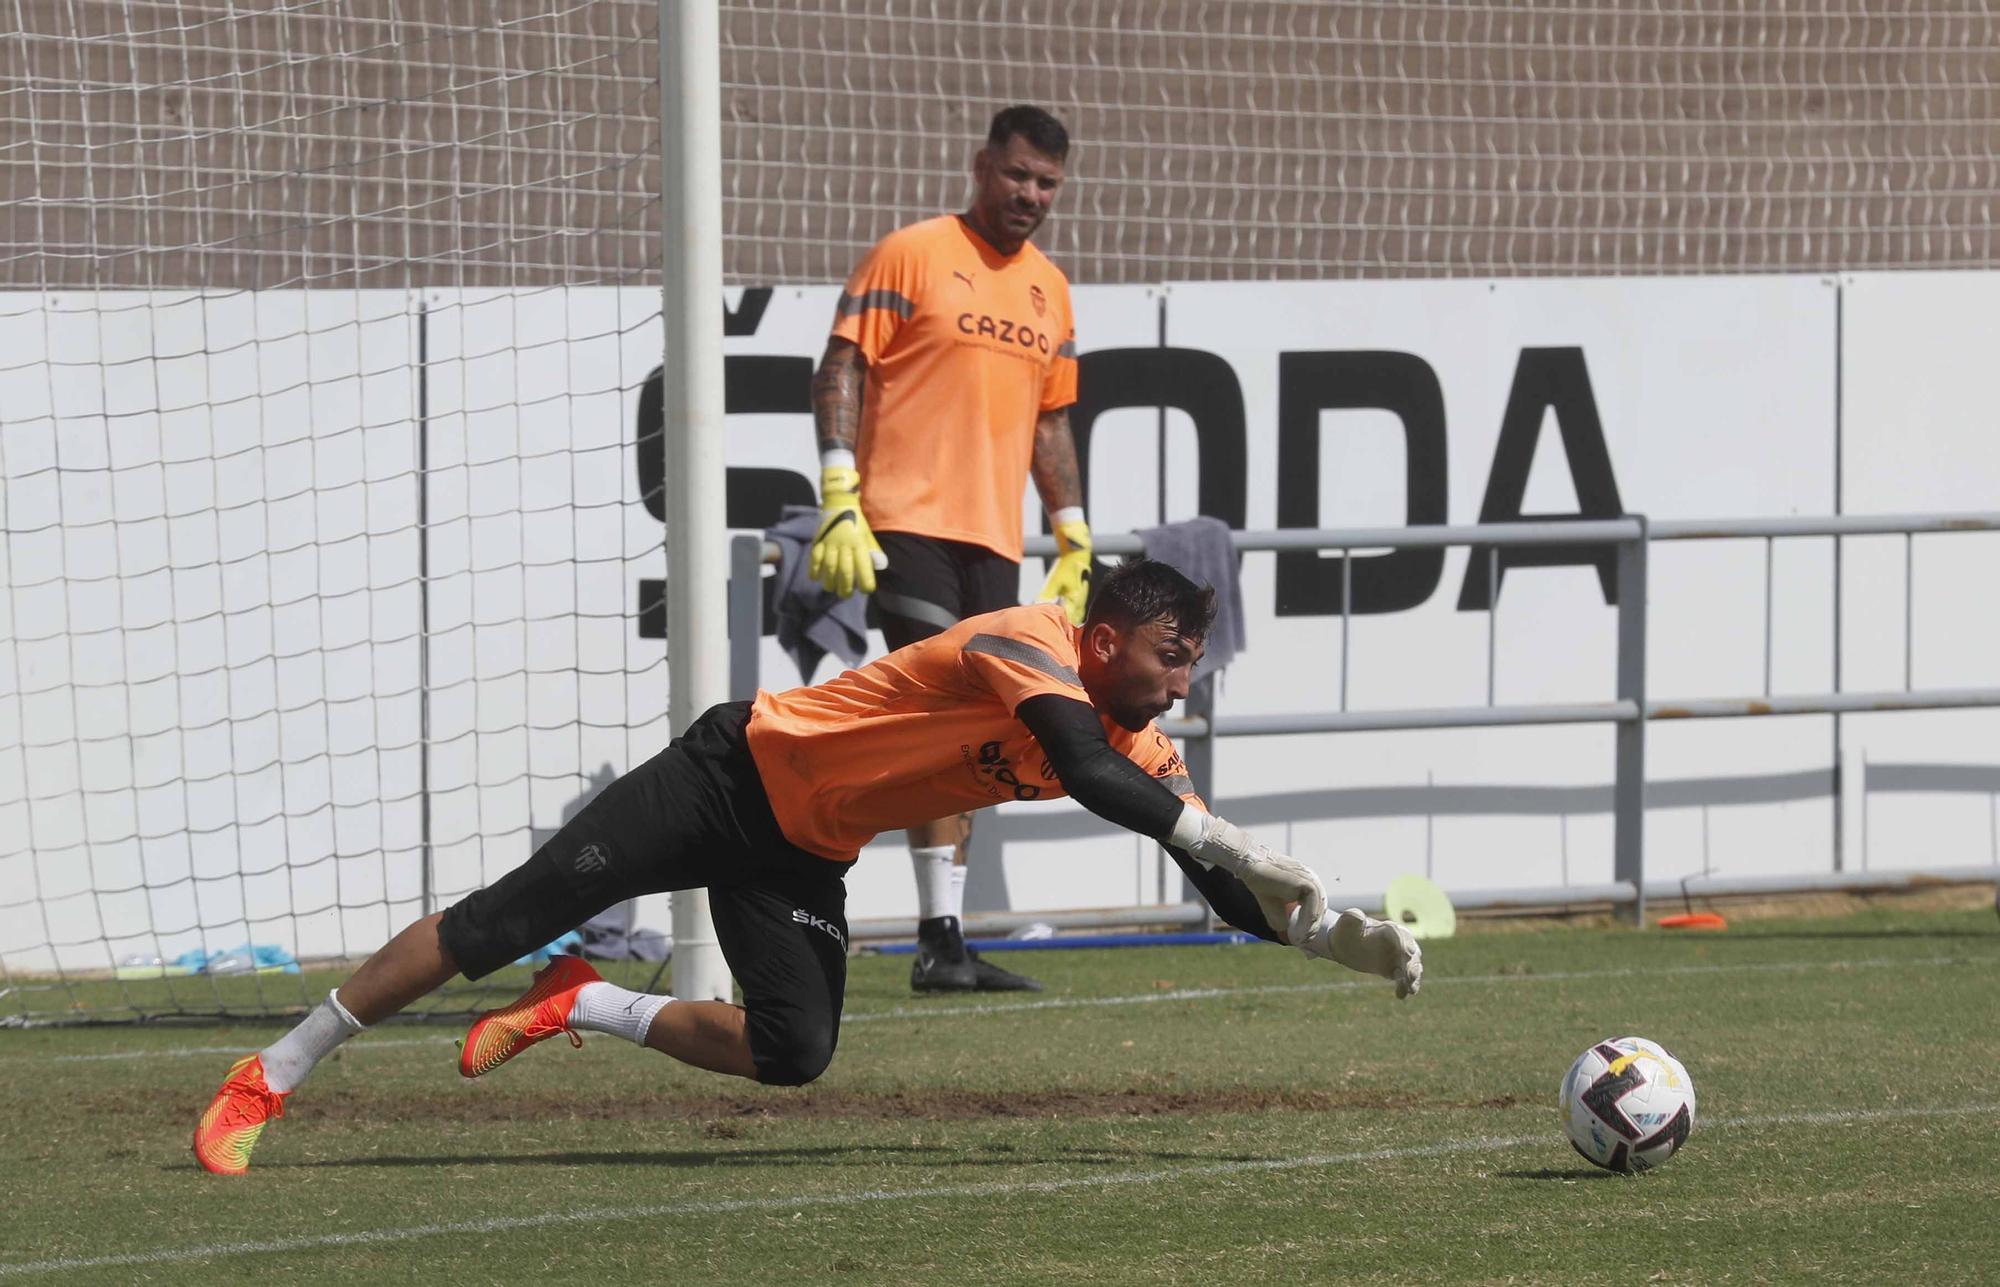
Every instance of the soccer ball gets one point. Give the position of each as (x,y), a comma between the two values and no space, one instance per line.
(1627,1104)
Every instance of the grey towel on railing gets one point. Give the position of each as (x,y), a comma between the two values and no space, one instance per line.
(1200,548)
(811,621)
(611,936)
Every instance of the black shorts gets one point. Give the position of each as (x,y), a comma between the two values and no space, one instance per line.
(931,585)
(694,816)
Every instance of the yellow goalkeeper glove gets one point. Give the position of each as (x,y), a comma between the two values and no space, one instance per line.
(845,555)
(1069,579)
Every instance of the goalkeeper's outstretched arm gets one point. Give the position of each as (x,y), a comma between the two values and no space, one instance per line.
(1259,892)
(1251,887)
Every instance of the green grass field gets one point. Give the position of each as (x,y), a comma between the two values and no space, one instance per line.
(1186,1115)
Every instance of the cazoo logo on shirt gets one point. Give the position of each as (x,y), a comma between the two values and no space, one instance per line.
(995,774)
(1004,331)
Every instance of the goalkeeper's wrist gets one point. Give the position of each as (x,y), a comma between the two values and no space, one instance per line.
(843,481)
(1191,834)
(1072,531)
(1311,939)
(1188,828)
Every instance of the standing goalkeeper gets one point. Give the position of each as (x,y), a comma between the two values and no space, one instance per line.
(947,380)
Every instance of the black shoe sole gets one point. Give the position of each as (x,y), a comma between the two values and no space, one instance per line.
(991,978)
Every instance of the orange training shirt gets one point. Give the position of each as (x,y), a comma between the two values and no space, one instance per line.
(929,731)
(966,349)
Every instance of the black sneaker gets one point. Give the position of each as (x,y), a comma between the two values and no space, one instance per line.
(991,978)
(933,971)
(943,962)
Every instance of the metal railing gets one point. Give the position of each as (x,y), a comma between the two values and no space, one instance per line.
(1630,709)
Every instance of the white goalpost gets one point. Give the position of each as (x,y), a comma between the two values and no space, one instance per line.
(697,538)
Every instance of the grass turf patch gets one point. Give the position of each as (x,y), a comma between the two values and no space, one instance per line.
(1160,1115)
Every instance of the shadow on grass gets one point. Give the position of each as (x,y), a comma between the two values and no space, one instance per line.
(1558,1173)
(674,1158)
(937,1155)
(930,1154)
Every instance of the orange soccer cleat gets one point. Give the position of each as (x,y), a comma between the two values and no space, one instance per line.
(236,1117)
(538,1014)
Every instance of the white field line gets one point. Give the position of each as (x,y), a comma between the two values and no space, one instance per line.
(1346,984)
(994,1188)
(949,1011)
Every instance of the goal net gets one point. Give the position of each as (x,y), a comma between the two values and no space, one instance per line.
(332,547)
(326,554)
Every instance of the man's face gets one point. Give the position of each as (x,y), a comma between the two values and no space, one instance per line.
(1137,675)
(1014,186)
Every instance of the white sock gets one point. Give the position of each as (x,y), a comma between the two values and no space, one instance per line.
(606,1007)
(933,866)
(292,1056)
(958,892)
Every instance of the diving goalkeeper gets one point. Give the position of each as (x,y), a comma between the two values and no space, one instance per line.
(766,803)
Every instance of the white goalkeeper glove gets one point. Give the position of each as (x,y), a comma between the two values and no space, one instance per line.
(1362,943)
(1069,579)
(845,555)
(1276,880)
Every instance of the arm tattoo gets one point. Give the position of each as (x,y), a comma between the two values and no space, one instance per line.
(836,395)
(1054,465)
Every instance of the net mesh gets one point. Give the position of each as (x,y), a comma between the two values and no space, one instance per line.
(323,540)
(322,327)
(1227,140)
(253,146)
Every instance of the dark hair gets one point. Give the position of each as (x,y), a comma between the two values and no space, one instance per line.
(1044,132)
(1140,589)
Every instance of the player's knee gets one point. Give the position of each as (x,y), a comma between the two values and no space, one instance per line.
(796,1054)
